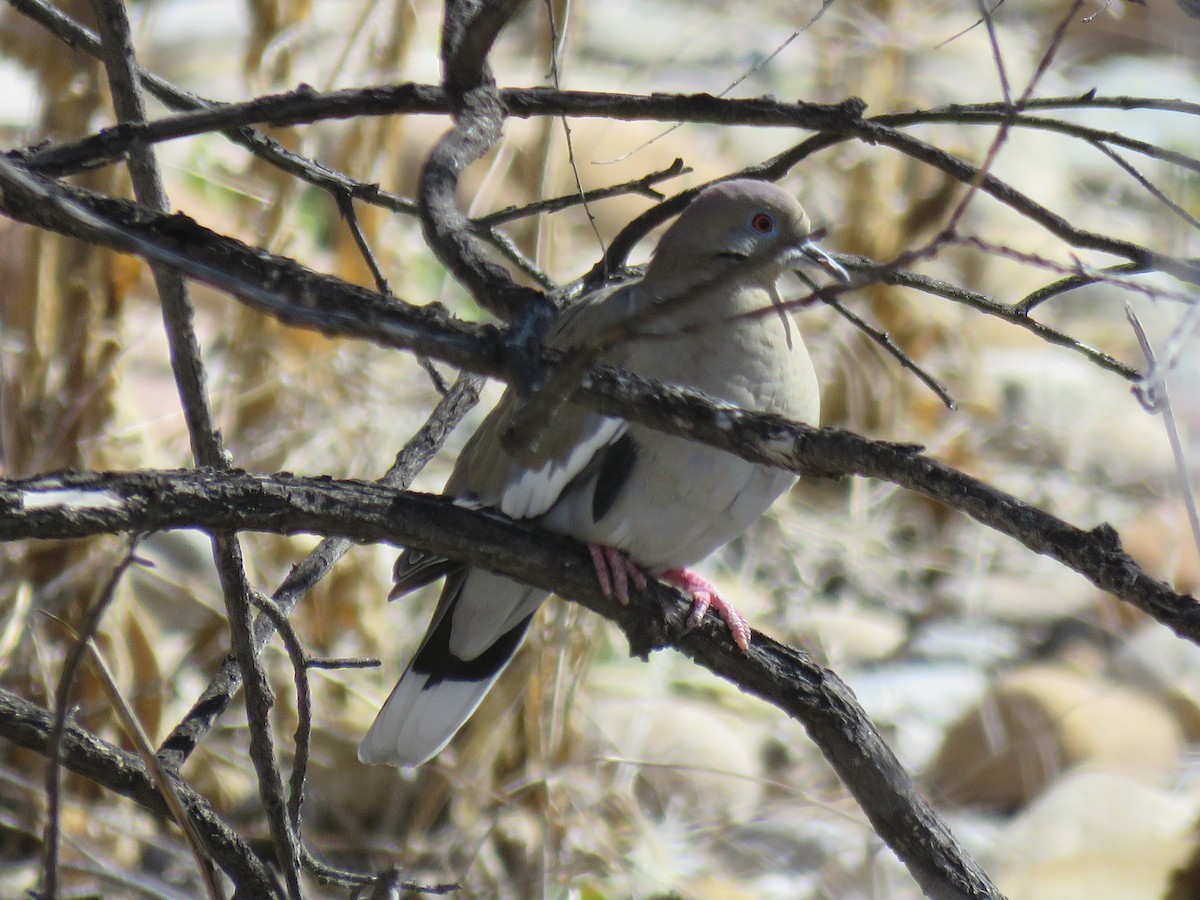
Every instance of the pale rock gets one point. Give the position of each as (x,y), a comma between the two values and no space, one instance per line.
(842,633)
(914,702)
(676,751)
(1042,592)
(1094,836)
(1037,722)
(1161,663)
(1161,542)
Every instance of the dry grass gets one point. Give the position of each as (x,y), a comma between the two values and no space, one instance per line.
(566,782)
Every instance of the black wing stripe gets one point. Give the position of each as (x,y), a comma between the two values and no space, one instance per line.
(435,659)
(616,465)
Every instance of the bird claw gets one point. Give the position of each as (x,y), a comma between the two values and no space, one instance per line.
(614,571)
(705,595)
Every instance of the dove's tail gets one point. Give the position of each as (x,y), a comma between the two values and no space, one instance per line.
(477,628)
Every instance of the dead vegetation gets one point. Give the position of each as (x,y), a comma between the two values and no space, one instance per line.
(996,241)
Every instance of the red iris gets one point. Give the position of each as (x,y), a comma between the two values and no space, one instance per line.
(762,223)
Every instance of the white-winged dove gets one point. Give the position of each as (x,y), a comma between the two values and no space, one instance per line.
(706,316)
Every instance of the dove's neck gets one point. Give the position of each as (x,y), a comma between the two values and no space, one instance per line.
(723,300)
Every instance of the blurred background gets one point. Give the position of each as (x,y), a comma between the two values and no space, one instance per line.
(1053,725)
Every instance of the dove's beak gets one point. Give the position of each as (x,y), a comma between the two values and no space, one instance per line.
(810,252)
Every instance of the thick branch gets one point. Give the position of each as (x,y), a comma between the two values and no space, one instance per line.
(77,504)
(274,285)
(837,122)
(297,296)
(84,504)
(303,105)
(469,28)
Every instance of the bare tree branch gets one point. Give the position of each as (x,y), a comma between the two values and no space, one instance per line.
(207,449)
(80,504)
(300,297)
(225,502)
(656,618)
(109,503)
(303,106)
(28,725)
(468,29)
(186,736)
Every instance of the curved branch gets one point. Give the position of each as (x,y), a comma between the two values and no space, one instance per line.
(297,296)
(873,132)
(1070,283)
(768,439)
(28,725)
(82,504)
(469,28)
(655,618)
(839,122)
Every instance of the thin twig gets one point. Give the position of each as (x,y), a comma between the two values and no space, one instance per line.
(1110,275)
(757,67)
(256,691)
(1070,283)
(643,185)
(997,56)
(28,725)
(968,29)
(1145,182)
(1155,398)
(303,735)
(884,340)
(62,697)
(141,741)
(557,37)
(345,205)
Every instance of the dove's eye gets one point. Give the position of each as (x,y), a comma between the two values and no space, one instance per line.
(762,223)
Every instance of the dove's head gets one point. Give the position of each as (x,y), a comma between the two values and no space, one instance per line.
(738,229)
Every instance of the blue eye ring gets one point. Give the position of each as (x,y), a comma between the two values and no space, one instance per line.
(762,222)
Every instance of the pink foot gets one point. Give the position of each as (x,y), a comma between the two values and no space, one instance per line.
(704,594)
(614,571)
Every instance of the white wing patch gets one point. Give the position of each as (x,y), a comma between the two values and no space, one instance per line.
(536,490)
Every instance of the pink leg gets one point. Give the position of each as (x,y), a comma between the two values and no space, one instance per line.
(704,594)
(614,571)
